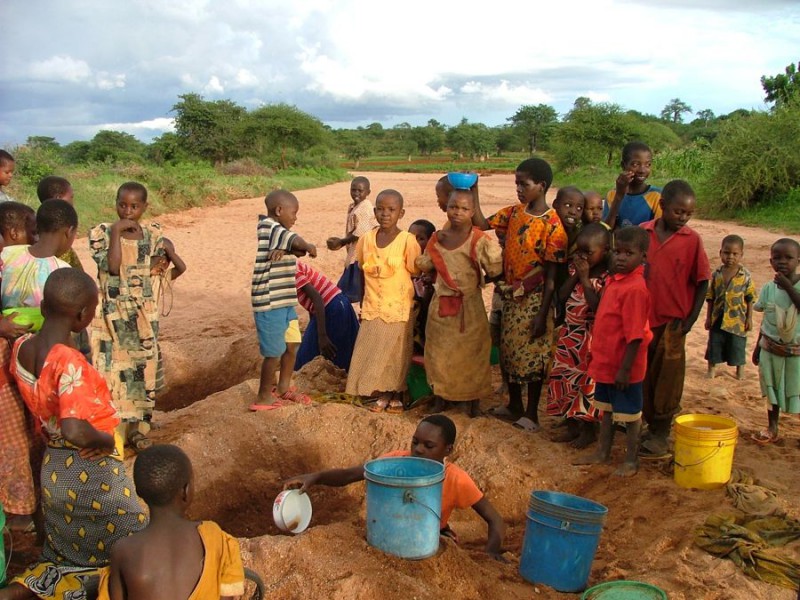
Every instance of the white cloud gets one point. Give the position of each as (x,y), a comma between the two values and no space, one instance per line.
(60,68)
(507,93)
(159,124)
(597,96)
(107,81)
(214,86)
(244,78)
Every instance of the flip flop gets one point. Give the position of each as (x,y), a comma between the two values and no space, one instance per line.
(527,424)
(381,404)
(279,403)
(502,412)
(764,437)
(395,408)
(292,395)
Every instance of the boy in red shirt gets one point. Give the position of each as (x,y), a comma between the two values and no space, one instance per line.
(677,276)
(618,355)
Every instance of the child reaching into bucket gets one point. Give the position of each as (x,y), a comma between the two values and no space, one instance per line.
(459,256)
(382,353)
(777,352)
(172,557)
(618,352)
(434,439)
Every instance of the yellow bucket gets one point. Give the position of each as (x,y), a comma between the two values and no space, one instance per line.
(704,446)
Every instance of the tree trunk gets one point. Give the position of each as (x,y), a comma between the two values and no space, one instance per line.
(357,164)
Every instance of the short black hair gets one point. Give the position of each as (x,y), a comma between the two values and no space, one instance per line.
(637,236)
(538,170)
(160,473)
(278,197)
(390,192)
(445,424)
(52,186)
(787,241)
(591,231)
(631,147)
(13,215)
(429,227)
(360,179)
(5,157)
(133,186)
(567,190)
(732,239)
(68,290)
(54,215)
(676,189)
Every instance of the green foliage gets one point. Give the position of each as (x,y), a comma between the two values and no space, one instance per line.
(783,87)
(36,162)
(430,138)
(690,162)
(475,140)
(115,146)
(209,130)
(284,127)
(354,146)
(534,123)
(756,158)
(591,132)
(674,110)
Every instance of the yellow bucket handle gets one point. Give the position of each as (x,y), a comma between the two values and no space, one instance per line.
(713,453)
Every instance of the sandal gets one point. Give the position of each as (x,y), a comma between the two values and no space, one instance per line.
(395,408)
(292,395)
(502,412)
(139,441)
(278,403)
(381,404)
(764,437)
(527,424)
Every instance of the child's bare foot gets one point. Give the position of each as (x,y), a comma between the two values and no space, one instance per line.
(381,404)
(740,372)
(627,469)
(564,437)
(712,371)
(592,459)
(474,409)
(585,438)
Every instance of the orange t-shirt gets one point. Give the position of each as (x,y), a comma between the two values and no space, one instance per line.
(458,488)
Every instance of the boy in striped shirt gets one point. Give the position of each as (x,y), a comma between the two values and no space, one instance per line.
(274,298)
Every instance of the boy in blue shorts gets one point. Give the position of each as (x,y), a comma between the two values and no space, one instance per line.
(618,355)
(274,298)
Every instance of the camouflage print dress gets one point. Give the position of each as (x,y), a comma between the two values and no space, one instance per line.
(125,327)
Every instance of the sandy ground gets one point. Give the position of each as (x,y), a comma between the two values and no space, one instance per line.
(241,458)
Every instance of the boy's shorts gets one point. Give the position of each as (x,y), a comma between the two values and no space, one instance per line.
(275,329)
(625,404)
(725,347)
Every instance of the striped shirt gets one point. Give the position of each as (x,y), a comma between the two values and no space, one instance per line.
(273,281)
(324,286)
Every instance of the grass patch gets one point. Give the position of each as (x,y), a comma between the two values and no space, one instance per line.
(779,214)
(170,188)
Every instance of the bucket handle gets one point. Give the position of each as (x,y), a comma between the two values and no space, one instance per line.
(409,498)
(713,453)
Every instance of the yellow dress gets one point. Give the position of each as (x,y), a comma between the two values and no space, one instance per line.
(460,343)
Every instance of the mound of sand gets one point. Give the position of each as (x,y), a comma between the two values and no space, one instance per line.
(320,376)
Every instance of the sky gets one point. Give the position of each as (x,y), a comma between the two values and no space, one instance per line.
(70,69)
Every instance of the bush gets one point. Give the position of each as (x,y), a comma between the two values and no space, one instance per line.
(244,166)
(33,164)
(692,163)
(757,158)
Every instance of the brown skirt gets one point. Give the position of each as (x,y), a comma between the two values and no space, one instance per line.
(381,358)
(524,358)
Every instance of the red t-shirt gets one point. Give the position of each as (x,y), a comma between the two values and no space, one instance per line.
(621,318)
(674,270)
(326,288)
(458,488)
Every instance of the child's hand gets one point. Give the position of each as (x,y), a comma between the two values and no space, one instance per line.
(623,181)
(748,324)
(277,254)
(581,266)
(11,330)
(783,282)
(124,225)
(334,243)
(539,325)
(95,453)
(312,251)
(623,378)
(708,323)
(756,355)
(302,482)
(327,348)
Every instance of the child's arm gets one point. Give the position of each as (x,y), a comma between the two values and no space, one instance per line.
(331,477)
(178,266)
(326,347)
(478,220)
(11,330)
(623,377)
(115,247)
(591,295)
(540,321)
(93,444)
(748,320)
(494,544)
(757,350)
(116,587)
(787,286)
(709,310)
(623,181)
(699,299)
(300,245)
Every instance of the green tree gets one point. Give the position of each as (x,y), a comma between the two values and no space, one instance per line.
(782,87)
(674,110)
(284,127)
(475,140)
(43,142)
(591,131)
(166,148)
(534,122)
(209,130)
(430,138)
(353,145)
(706,115)
(115,146)
(76,152)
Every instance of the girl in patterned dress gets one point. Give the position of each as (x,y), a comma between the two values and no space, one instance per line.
(570,389)
(124,334)
(535,242)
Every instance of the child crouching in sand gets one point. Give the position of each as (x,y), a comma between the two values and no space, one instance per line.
(434,439)
(172,557)
(457,332)
(618,354)
(777,352)
(383,347)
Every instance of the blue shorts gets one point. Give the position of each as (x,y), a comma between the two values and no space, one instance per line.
(625,404)
(271,327)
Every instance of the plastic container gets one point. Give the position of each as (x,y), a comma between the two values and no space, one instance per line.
(624,590)
(561,539)
(704,447)
(404,504)
(291,511)
(462,181)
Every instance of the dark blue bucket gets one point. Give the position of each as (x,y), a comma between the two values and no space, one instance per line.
(404,504)
(560,540)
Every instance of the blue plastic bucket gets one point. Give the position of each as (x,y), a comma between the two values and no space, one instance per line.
(561,539)
(404,504)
